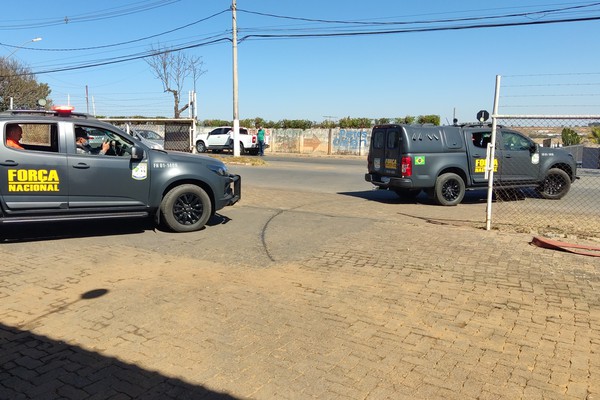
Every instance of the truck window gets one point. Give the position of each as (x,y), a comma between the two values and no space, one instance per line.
(393,138)
(34,137)
(90,141)
(514,141)
(481,139)
(378,139)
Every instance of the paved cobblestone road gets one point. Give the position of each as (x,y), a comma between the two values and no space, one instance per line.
(293,295)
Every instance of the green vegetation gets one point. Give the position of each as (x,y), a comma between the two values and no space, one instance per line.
(595,138)
(17,81)
(570,137)
(344,123)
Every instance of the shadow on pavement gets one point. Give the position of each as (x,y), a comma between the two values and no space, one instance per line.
(37,367)
(389,197)
(72,229)
(80,229)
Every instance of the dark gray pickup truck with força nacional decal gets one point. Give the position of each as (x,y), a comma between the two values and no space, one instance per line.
(59,165)
(445,161)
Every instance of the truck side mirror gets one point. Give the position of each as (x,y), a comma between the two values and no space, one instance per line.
(137,153)
(533,148)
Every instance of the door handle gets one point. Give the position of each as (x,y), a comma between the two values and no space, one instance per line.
(81,166)
(9,163)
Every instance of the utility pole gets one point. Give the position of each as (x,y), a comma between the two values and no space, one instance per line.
(236,117)
(87,100)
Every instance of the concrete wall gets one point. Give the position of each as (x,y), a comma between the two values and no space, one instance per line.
(316,141)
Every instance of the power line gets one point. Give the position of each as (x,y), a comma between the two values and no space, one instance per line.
(415,30)
(108,14)
(122,43)
(513,15)
(118,59)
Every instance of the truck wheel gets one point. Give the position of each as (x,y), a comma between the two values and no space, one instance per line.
(556,184)
(449,189)
(186,208)
(242,150)
(200,147)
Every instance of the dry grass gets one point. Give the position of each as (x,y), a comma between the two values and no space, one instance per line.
(242,160)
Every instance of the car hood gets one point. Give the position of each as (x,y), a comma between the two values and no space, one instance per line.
(188,157)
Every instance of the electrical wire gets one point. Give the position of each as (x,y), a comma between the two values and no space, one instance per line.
(414,30)
(93,16)
(513,15)
(122,43)
(258,36)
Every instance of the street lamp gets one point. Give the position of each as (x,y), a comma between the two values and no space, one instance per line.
(37,39)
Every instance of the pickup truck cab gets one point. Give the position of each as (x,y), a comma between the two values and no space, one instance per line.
(221,138)
(56,172)
(447,160)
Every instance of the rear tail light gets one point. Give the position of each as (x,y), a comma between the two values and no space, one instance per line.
(253,139)
(406,167)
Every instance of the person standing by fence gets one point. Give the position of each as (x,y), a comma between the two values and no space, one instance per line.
(260,137)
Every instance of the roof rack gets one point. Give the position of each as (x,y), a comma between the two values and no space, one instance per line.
(45,112)
(477,125)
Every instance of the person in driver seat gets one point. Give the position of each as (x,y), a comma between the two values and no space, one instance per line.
(83,145)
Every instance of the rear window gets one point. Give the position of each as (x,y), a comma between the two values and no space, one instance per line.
(393,138)
(378,138)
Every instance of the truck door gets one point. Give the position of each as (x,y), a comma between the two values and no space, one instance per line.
(385,150)
(519,162)
(33,177)
(111,181)
(477,142)
(217,138)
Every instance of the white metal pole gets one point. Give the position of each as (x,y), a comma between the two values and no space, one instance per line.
(236,118)
(195,106)
(491,156)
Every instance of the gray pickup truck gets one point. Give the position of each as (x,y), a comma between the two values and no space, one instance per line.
(447,160)
(52,170)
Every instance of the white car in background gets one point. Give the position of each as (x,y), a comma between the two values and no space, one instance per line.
(221,139)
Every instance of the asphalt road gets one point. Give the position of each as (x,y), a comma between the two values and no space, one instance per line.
(317,174)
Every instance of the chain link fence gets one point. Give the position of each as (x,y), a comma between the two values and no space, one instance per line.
(175,134)
(557,206)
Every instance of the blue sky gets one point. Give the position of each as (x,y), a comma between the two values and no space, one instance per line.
(550,68)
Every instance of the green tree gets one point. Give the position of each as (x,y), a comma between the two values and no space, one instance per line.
(596,134)
(17,82)
(405,120)
(382,121)
(429,119)
(348,122)
(296,124)
(213,123)
(569,137)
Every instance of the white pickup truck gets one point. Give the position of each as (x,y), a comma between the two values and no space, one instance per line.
(221,138)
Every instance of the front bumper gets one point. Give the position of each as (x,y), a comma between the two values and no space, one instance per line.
(233,190)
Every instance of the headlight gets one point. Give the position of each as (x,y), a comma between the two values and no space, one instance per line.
(219,169)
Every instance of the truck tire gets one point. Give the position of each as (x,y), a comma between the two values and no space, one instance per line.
(186,208)
(556,184)
(200,146)
(449,189)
